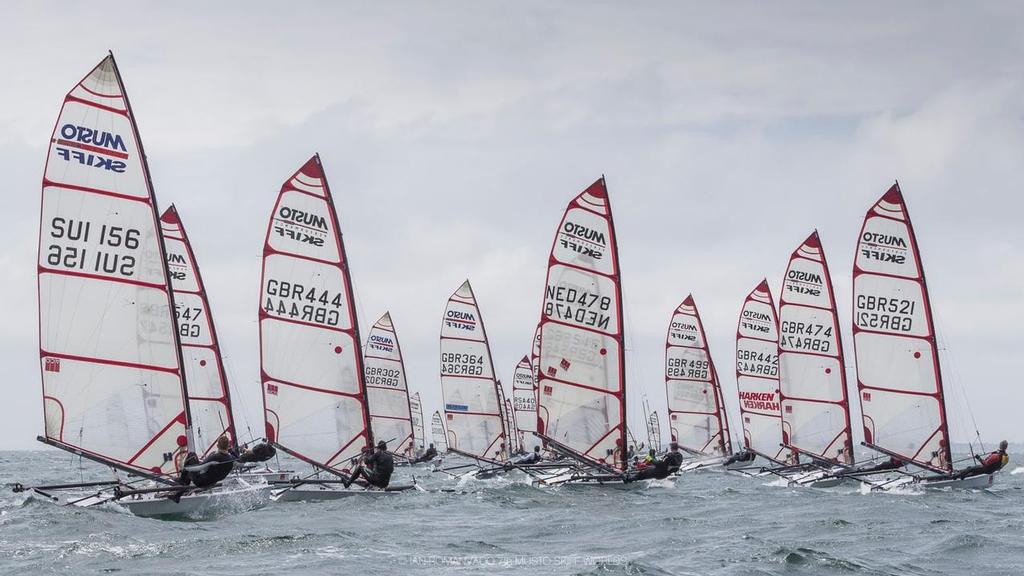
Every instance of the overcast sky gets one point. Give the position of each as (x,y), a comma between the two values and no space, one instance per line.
(454,133)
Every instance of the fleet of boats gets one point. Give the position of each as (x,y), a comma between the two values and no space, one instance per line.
(133,378)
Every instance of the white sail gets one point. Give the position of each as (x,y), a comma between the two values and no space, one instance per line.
(757,374)
(582,369)
(386,390)
(313,386)
(416,408)
(697,419)
(524,401)
(208,396)
(471,402)
(897,362)
(439,434)
(815,415)
(111,367)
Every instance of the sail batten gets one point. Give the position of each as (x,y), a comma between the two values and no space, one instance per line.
(815,407)
(697,419)
(110,358)
(581,376)
(473,402)
(314,387)
(898,375)
(209,395)
(757,374)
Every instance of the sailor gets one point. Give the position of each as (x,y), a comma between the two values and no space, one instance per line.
(892,463)
(940,457)
(743,455)
(427,456)
(992,462)
(376,467)
(531,458)
(258,453)
(211,470)
(662,468)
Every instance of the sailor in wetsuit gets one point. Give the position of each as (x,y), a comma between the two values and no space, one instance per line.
(992,462)
(531,458)
(258,453)
(667,465)
(891,464)
(741,456)
(376,467)
(211,470)
(427,456)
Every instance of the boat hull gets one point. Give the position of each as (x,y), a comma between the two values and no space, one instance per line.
(319,493)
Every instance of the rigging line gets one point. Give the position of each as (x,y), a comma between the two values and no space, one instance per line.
(239,398)
(957,379)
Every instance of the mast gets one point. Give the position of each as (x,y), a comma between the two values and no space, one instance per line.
(582,366)
(696,414)
(105,300)
(476,425)
(757,374)
(898,374)
(815,407)
(209,398)
(314,387)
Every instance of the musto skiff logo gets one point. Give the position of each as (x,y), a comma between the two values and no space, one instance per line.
(883,247)
(806,283)
(96,148)
(460,320)
(582,240)
(300,226)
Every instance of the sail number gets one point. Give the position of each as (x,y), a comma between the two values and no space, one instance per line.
(754,363)
(685,368)
(459,364)
(578,306)
(188,320)
(808,336)
(96,258)
(881,313)
(298,302)
(379,376)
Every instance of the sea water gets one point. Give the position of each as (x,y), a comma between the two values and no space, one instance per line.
(708,522)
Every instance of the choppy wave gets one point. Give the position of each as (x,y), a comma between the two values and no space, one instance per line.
(710,523)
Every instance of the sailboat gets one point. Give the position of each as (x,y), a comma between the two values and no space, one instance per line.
(815,406)
(899,380)
(582,406)
(524,402)
(113,374)
(416,408)
(314,387)
(391,416)
(438,433)
(473,402)
(757,377)
(697,417)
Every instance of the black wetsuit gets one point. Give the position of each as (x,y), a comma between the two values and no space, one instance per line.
(743,456)
(427,456)
(217,466)
(890,464)
(376,468)
(259,453)
(662,468)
